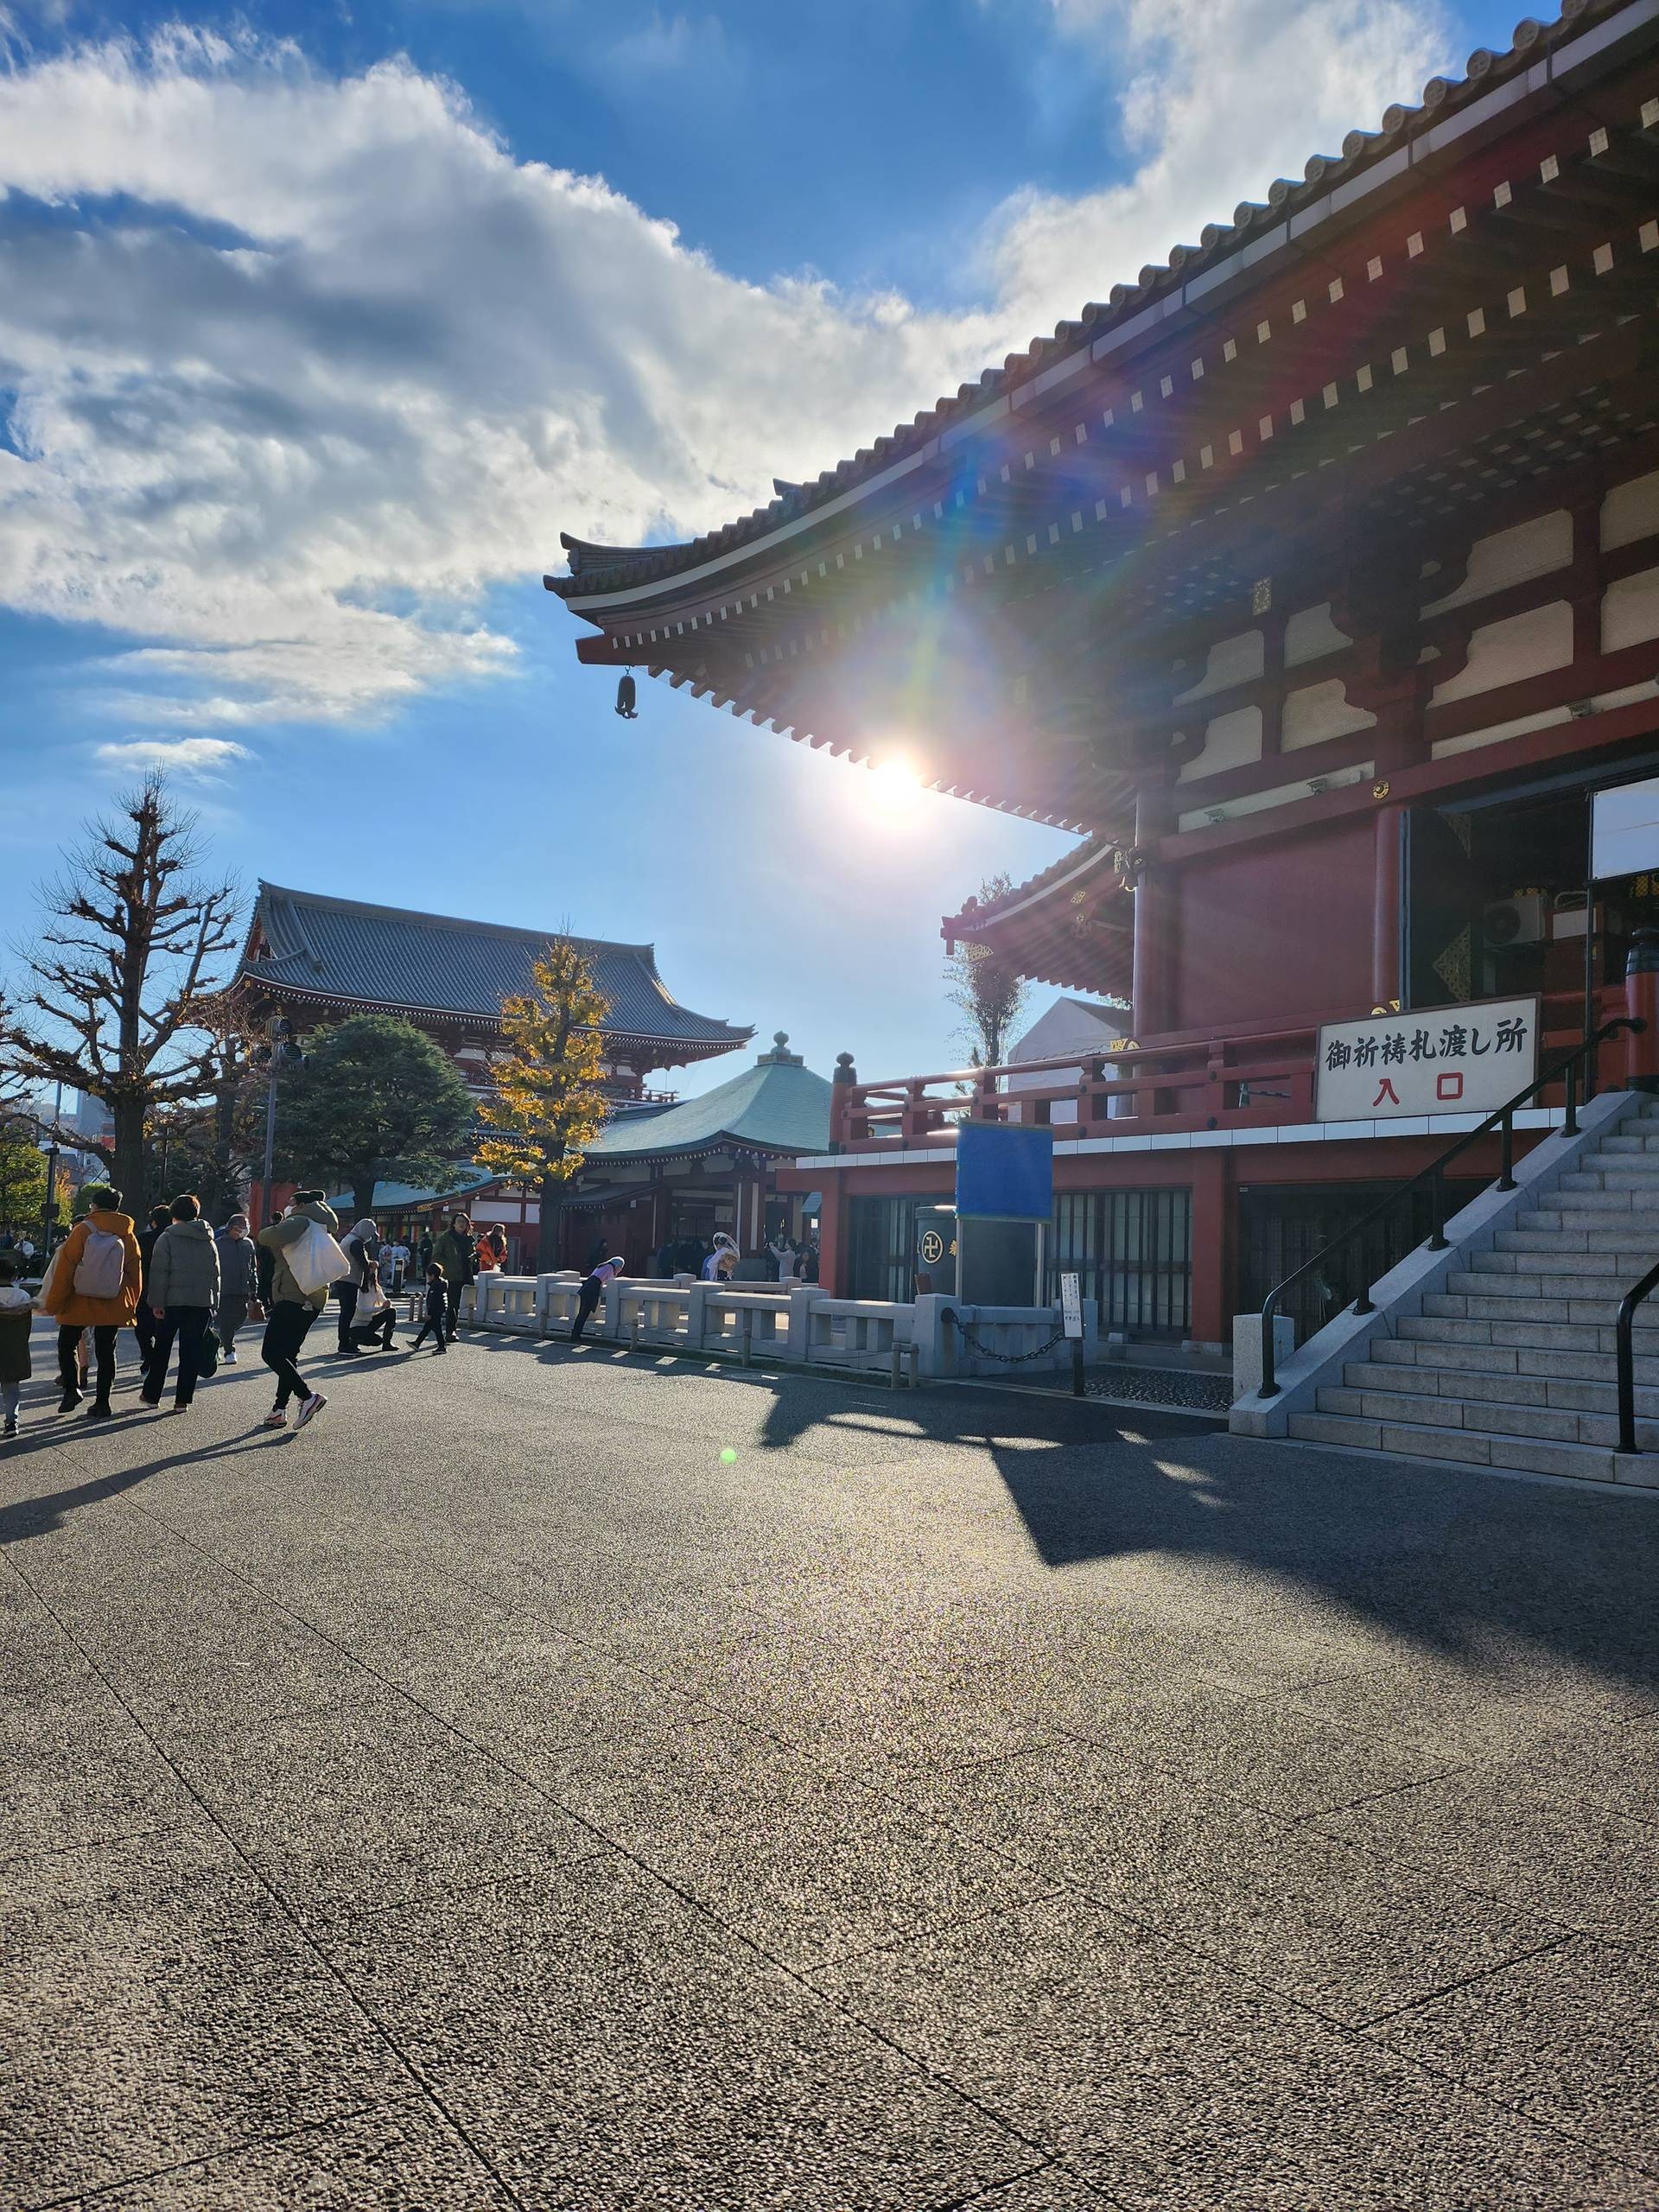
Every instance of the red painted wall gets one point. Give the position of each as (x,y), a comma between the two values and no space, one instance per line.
(1279,936)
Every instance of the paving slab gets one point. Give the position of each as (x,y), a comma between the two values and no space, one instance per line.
(159,2007)
(1324,1922)
(1162,2079)
(402,2157)
(607,2046)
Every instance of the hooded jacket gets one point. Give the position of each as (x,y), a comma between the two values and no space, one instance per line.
(184,1266)
(284,1288)
(236,1265)
(65,1302)
(362,1248)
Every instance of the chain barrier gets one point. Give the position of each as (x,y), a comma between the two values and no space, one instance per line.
(1007,1358)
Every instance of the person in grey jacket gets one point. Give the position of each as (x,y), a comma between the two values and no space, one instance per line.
(362,1248)
(237,1254)
(183,1296)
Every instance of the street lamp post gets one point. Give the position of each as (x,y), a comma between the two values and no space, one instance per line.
(49,1212)
(280,1052)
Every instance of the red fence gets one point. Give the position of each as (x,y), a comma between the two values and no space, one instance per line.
(1253,1080)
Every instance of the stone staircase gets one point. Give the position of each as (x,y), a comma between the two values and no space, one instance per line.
(1512,1364)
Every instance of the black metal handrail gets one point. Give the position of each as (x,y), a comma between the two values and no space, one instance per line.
(1434,1175)
(1626,1351)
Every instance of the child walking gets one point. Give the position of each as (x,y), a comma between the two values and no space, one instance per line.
(437,1313)
(16,1312)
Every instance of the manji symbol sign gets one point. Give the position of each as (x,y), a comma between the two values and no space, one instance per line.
(1456,1059)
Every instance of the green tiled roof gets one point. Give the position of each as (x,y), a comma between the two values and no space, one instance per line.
(778,1105)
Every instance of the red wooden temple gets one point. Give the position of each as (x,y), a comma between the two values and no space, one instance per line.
(1312,579)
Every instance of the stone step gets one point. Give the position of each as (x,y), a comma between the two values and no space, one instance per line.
(1594,1232)
(1542,1424)
(1635,1175)
(1594,1198)
(1396,1353)
(1575,1239)
(1575,1310)
(1471,1447)
(1622,1268)
(1476,1391)
(1549,1290)
(1627,1144)
(1520,1335)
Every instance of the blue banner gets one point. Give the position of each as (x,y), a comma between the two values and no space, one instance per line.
(1004,1173)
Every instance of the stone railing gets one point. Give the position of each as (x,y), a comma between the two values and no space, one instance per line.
(927,1339)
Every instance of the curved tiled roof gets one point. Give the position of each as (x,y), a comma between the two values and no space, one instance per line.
(778,1104)
(613,568)
(433,963)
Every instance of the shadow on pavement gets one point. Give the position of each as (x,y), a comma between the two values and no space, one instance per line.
(1456,1561)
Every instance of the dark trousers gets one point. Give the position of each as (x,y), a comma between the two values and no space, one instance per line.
(377,1328)
(285,1332)
(438,1324)
(232,1312)
(591,1294)
(452,1297)
(144,1327)
(103,1351)
(346,1293)
(189,1324)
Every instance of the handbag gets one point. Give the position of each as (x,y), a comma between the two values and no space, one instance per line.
(207,1358)
(315,1259)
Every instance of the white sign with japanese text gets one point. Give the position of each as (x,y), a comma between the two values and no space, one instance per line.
(1458,1059)
(1072,1304)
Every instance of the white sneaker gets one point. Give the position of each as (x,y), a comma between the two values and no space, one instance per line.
(230,1359)
(314,1404)
(273,1419)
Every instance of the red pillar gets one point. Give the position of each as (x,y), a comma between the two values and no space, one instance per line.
(832,1239)
(1386,908)
(1151,987)
(1212,1260)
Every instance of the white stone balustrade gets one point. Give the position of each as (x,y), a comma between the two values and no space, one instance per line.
(786,1324)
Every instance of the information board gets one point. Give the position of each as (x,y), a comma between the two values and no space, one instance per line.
(1456,1059)
(1005,1172)
(1072,1304)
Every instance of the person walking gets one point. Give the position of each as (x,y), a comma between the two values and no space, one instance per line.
(456,1253)
(436,1313)
(292,1311)
(16,1312)
(424,1249)
(94,1286)
(592,1291)
(237,1274)
(184,1279)
(143,1321)
(362,1248)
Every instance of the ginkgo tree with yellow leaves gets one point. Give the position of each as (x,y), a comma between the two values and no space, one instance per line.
(549,1101)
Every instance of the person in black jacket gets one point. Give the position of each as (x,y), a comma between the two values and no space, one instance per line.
(143,1321)
(237,1267)
(436,1314)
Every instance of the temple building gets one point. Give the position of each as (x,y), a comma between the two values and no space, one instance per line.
(678,1175)
(1313,580)
(316,960)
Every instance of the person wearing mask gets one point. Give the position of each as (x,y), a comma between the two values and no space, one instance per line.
(143,1321)
(592,1291)
(94,1284)
(456,1253)
(292,1311)
(362,1248)
(184,1281)
(237,1275)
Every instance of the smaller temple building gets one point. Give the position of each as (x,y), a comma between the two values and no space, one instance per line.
(675,1175)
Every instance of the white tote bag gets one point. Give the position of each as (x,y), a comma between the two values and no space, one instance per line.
(315,1260)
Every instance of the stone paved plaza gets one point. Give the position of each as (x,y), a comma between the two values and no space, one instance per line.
(555,1780)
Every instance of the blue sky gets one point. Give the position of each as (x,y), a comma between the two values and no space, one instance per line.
(317,330)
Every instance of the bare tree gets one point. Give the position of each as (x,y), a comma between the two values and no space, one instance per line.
(987,989)
(116,987)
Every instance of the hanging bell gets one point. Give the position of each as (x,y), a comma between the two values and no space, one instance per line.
(625,699)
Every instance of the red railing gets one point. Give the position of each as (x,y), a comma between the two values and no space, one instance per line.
(1250,1080)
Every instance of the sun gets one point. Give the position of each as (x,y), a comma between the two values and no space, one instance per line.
(893,789)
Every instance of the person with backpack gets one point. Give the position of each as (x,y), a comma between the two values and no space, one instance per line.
(292,1308)
(94,1284)
(184,1279)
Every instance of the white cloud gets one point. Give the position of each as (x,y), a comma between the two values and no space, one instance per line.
(183,756)
(303,366)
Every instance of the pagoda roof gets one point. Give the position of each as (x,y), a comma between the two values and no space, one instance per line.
(1072,925)
(778,1105)
(305,944)
(1332,186)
